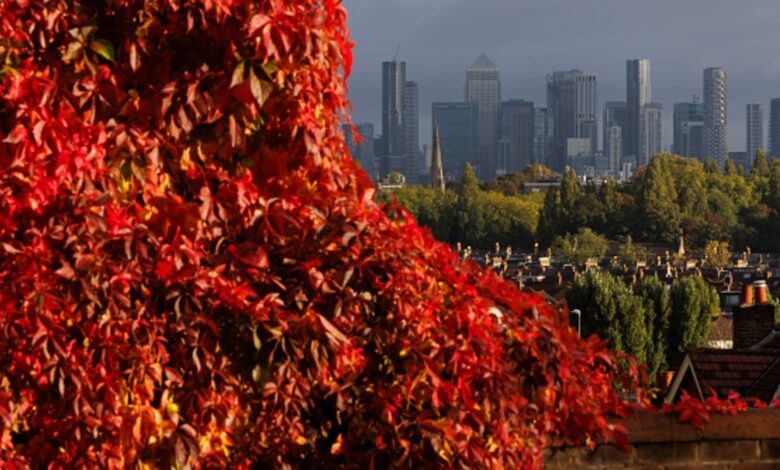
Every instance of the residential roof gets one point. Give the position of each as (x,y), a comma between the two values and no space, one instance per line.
(751,373)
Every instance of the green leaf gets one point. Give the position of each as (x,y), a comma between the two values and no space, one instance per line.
(103,48)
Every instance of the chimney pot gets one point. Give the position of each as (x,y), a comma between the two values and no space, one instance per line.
(761,292)
(747,294)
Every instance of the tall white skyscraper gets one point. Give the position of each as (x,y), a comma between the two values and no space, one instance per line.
(483,87)
(651,135)
(755,131)
(637,97)
(716,115)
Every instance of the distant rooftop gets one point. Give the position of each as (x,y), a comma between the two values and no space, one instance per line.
(483,62)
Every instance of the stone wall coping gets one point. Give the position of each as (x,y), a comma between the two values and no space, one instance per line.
(663,427)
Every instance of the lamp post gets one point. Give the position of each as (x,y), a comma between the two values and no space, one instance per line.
(577,312)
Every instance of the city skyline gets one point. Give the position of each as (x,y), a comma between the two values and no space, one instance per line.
(524,55)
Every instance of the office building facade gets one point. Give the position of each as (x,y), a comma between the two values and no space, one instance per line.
(517,128)
(688,121)
(543,132)
(458,125)
(393,91)
(572,102)
(411,164)
(483,87)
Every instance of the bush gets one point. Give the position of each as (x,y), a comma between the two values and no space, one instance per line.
(193,272)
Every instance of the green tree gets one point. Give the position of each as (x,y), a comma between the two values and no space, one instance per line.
(571,195)
(711,166)
(576,248)
(631,253)
(660,213)
(550,217)
(730,169)
(469,215)
(717,253)
(658,309)
(611,311)
(760,165)
(694,305)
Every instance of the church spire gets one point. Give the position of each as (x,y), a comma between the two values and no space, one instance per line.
(437,169)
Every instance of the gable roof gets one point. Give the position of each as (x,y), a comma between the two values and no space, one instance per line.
(748,372)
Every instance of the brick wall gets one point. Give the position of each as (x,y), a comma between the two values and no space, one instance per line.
(752,324)
(749,440)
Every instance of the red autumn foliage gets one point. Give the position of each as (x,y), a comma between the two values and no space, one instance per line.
(193,271)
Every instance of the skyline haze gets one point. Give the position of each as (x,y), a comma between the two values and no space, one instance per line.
(440,39)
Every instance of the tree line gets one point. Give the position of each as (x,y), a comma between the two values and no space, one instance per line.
(654,322)
(672,196)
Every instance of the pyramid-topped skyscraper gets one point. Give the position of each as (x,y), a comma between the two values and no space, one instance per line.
(483,87)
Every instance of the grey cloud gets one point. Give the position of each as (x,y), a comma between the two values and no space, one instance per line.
(529,38)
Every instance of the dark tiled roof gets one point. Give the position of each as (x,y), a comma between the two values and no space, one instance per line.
(766,385)
(750,373)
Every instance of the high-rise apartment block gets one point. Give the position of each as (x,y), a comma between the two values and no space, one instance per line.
(458,136)
(572,101)
(715,114)
(754,132)
(651,133)
(483,87)
(688,129)
(517,128)
(613,149)
(637,97)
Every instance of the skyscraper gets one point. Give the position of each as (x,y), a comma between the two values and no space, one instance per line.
(393,91)
(687,127)
(614,115)
(613,149)
(755,132)
(774,129)
(410,165)
(571,100)
(715,115)
(458,135)
(483,87)
(543,131)
(517,127)
(651,133)
(637,96)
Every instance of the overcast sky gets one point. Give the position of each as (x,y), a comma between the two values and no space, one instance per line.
(529,38)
